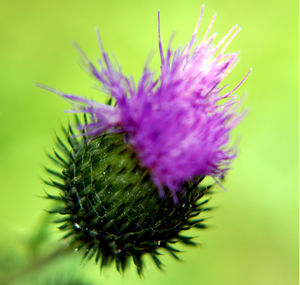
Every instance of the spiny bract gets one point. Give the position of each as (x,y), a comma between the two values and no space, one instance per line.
(110,207)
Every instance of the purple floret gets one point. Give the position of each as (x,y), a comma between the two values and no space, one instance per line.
(178,124)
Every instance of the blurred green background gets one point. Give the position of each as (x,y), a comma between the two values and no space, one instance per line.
(254,238)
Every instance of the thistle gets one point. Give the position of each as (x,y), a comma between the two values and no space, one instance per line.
(130,180)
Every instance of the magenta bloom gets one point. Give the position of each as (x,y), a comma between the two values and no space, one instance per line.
(179,123)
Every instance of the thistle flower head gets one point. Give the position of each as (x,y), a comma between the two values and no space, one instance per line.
(178,124)
(163,134)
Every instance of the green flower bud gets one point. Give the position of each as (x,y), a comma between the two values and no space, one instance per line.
(109,206)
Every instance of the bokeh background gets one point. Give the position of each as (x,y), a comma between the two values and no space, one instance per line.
(254,233)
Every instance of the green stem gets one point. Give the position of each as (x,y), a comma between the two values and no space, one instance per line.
(36,265)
